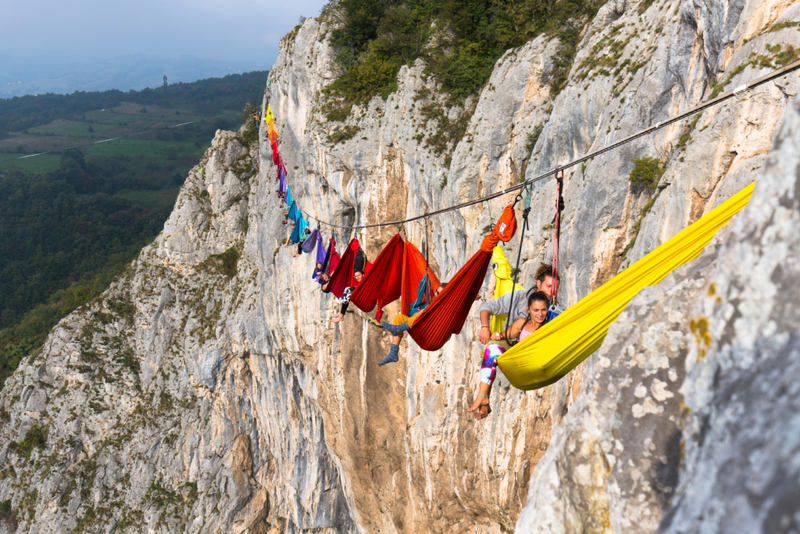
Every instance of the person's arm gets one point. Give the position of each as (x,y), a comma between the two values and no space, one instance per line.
(485,332)
(512,332)
(489,308)
(497,306)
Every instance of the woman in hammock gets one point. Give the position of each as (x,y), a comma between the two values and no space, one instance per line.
(400,324)
(521,328)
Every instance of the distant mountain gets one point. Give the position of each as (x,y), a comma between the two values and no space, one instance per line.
(20,75)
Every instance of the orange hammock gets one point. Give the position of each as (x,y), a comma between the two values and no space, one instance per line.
(415,267)
(397,272)
(447,313)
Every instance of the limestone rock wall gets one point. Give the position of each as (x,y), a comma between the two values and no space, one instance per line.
(688,418)
(207,391)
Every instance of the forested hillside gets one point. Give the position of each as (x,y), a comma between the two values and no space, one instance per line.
(459,41)
(71,219)
(205,97)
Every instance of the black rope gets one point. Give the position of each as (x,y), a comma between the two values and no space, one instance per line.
(525,213)
(659,125)
(557,231)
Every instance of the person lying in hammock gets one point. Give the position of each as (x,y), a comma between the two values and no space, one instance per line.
(501,305)
(345,300)
(401,323)
(317,271)
(537,315)
(303,237)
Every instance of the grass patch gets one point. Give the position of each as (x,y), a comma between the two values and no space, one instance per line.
(374,40)
(225,263)
(37,165)
(35,438)
(646,173)
(343,134)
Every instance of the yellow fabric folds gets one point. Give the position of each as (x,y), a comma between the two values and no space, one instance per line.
(559,346)
(502,273)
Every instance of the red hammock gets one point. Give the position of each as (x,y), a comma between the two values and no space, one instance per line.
(397,271)
(332,258)
(342,276)
(381,283)
(447,313)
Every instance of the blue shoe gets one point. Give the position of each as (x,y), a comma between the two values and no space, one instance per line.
(392,357)
(395,329)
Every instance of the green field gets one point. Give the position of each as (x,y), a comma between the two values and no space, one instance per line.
(37,165)
(111,166)
(139,148)
(72,129)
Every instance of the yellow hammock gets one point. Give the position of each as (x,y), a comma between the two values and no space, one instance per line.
(502,273)
(559,346)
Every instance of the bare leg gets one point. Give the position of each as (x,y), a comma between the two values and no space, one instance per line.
(481,405)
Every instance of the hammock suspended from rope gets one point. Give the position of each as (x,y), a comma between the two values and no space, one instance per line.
(381,285)
(396,273)
(293,213)
(321,253)
(559,346)
(331,261)
(299,227)
(311,241)
(446,314)
(415,268)
(342,275)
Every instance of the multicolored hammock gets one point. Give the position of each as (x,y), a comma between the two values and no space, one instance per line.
(551,352)
(446,314)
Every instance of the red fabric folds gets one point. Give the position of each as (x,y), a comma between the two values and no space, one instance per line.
(333,263)
(447,313)
(342,276)
(381,283)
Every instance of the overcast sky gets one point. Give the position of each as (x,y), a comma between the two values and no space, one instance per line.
(240,31)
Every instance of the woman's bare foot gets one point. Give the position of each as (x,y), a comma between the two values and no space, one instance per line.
(295,254)
(338,318)
(481,407)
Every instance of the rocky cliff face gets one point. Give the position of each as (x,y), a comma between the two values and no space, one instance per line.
(207,390)
(688,418)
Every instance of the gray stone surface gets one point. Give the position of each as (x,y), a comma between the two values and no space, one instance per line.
(688,419)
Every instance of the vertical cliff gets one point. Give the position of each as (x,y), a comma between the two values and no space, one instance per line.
(207,391)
